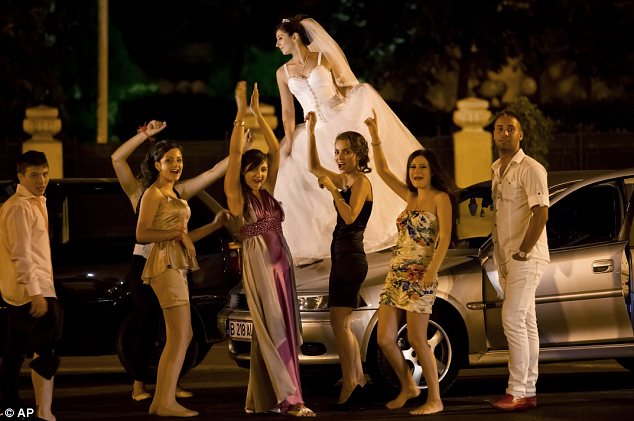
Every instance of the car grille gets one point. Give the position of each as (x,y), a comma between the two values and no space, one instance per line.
(241,348)
(239,301)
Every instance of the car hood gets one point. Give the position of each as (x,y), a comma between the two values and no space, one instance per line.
(313,278)
(91,283)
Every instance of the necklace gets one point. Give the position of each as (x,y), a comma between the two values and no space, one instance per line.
(301,72)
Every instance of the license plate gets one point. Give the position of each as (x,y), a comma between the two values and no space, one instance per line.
(240,330)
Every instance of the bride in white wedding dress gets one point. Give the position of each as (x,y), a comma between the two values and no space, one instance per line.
(319,77)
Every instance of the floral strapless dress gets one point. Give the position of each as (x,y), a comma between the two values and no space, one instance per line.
(417,234)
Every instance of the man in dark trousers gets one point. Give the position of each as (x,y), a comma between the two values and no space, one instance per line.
(26,282)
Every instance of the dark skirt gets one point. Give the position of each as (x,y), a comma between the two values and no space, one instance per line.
(348,271)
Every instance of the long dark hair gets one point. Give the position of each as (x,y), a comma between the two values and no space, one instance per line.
(252,158)
(359,146)
(293,26)
(440,180)
(149,173)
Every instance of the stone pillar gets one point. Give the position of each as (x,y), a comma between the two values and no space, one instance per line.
(42,123)
(473,154)
(268,111)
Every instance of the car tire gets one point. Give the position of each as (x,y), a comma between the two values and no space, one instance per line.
(447,346)
(128,330)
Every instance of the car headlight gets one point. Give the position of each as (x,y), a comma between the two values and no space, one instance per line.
(313,303)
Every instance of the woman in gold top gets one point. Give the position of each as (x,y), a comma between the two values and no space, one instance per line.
(163,218)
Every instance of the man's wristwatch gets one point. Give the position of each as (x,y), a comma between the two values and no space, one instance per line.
(523,255)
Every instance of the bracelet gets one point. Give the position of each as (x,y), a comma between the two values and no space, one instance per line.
(375,144)
(143,129)
(238,123)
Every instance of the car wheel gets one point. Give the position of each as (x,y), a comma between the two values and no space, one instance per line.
(125,349)
(443,338)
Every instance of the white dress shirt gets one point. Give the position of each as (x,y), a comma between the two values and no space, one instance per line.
(523,185)
(25,250)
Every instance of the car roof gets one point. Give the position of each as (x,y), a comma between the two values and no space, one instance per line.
(562,178)
(74,180)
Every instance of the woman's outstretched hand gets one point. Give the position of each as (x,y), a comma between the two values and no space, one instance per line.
(222,217)
(326,182)
(311,121)
(373,126)
(241,98)
(255,100)
(152,128)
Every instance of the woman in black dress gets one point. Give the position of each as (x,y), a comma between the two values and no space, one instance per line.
(352,194)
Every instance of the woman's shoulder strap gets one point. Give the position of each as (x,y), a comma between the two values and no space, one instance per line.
(286,70)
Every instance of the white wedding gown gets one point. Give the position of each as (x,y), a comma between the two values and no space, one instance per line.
(310,214)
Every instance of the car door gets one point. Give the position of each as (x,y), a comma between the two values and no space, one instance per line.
(580,299)
(92,234)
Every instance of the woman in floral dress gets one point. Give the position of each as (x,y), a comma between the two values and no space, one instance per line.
(424,233)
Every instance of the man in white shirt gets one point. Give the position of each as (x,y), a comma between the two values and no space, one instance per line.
(520,195)
(26,282)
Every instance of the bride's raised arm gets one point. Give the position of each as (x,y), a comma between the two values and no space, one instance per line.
(288,106)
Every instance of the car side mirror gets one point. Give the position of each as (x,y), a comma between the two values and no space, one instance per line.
(473,206)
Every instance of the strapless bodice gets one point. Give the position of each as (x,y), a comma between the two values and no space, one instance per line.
(317,92)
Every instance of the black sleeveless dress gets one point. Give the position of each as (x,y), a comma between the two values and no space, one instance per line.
(349,264)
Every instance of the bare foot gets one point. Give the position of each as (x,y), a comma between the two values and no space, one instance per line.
(404,396)
(168,412)
(428,408)
(172,408)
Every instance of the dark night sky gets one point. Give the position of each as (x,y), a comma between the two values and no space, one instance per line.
(170,38)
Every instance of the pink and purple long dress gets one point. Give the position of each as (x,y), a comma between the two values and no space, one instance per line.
(268,280)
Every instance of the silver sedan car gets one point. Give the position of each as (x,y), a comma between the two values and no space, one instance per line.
(584,302)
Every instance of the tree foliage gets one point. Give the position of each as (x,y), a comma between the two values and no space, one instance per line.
(410,45)
(537,129)
(47,58)
(405,48)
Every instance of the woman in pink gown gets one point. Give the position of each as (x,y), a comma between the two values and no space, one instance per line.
(267,273)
